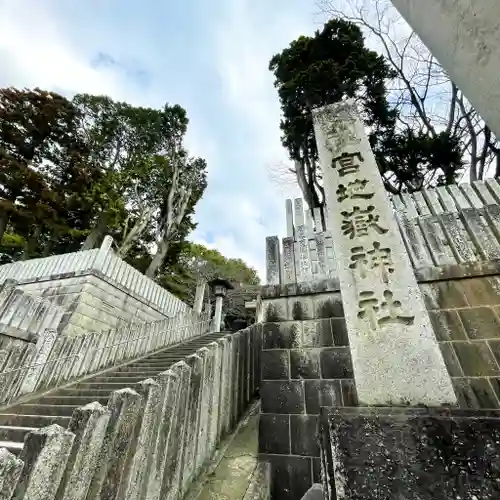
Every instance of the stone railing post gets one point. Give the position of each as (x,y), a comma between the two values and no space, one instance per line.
(44,348)
(105,251)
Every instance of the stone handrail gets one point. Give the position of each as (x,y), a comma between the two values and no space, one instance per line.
(55,360)
(148,443)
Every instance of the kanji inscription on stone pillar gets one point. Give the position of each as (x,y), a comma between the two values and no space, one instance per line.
(395,355)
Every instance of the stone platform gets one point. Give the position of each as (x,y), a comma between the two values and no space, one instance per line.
(410,454)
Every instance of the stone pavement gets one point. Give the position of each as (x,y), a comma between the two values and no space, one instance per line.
(233,474)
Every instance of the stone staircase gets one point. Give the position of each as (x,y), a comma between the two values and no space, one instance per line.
(58,405)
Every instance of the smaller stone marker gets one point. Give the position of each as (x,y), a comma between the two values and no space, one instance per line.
(273,260)
(395,355)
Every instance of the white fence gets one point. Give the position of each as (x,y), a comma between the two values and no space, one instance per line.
(103,261)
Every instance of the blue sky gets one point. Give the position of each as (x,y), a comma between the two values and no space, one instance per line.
(211,57)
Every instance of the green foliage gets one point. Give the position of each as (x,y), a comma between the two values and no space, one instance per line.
(71,171)
(333,65)
(196,261)
(11,248)
(47,177)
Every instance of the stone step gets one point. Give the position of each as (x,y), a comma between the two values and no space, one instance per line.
(84,393)
(66,399)
(14,447)
(148,367)
(167,359)
(163,359)
(136,369)
(109,386)
(49,410)
(134,373)
(58,406)
(37,421)
(106,379)
(14,433)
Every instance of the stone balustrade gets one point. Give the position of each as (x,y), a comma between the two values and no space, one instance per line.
(24,317)
(150,442)
(55,360)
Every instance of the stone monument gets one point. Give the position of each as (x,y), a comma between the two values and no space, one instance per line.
(395,355)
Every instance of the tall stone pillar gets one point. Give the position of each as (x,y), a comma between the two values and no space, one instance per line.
(395,355)
(464,35)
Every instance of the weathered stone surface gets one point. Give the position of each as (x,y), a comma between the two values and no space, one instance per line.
(10,471)
(205,398)
(282,396)
(465,40)
(44,456)
(447,325)
(125,407)
(322,393)
(304,435)
(315,492)
(410,453)
(44,348)
(88,424)
(195,362)
(276,365)
(305,364)
(289,272)
(273,260)
(395,355)
(136,477)
(260,483)
(477,393)
(292,289)
(285,335)
(215,402)
(476,359)
(276,309)
(480,323)
(274,434)
(291,476)
(175,451)
(225,397)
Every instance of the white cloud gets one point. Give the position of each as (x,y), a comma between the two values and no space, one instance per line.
(34,53)
(245,39)
(241,206)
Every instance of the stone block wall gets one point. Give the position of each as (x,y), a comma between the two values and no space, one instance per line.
(149,442)
(306,364)
(465,313)
(100,262)
(93,303)
(306,360)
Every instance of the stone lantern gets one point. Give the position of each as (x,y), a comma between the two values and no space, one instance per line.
(219,288)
